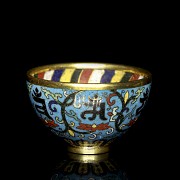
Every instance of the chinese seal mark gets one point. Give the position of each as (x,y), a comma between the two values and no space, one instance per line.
(95,103)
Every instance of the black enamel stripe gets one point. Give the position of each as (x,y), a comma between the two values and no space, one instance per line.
(75,75)
(126,77)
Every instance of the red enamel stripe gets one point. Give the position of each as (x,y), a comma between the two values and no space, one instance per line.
(85,75)
(134,77)
(41,75)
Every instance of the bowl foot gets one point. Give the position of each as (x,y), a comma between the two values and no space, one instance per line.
(88,150)
(88,158)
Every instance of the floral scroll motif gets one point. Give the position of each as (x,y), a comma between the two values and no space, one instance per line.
(88,114)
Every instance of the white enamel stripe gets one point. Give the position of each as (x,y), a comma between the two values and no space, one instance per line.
(96,76)
(141,77)
(48,75)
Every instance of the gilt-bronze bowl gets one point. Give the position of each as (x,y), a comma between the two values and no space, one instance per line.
(89,105)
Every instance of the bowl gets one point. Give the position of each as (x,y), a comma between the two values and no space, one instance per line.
(88,105)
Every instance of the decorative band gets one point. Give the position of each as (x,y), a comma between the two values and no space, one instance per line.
(88,76)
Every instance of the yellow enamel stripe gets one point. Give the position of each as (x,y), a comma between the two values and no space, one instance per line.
(48,75)
(96,76)
(67,75)
(117,76)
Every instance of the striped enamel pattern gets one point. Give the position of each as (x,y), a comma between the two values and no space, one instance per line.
(88,76)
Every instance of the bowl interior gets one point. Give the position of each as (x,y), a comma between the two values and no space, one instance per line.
(88,75)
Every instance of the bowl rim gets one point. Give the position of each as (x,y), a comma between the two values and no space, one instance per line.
(89,86)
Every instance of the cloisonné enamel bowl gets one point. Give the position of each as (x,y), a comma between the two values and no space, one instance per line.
(89,105)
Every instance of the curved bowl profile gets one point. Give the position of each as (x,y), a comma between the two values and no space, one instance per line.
(88,104)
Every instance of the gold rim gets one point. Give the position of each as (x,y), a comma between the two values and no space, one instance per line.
(92,86)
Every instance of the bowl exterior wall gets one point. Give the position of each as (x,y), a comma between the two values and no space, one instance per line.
(88,116)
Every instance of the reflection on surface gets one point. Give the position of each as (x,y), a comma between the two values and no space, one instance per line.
(90,167)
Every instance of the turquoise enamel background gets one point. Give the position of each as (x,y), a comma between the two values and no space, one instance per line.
(88,115)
